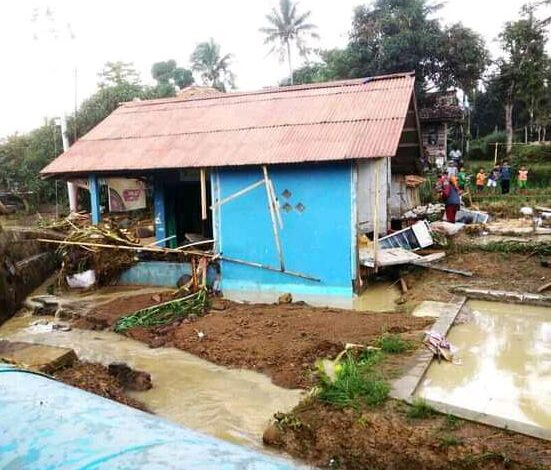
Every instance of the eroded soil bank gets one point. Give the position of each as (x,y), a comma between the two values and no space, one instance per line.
(282,341)
(386,438)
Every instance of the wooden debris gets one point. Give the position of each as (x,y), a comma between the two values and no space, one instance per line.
(544,287)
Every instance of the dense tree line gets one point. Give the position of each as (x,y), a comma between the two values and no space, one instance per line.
(22,156)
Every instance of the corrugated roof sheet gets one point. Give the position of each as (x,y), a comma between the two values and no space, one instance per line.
(350,119)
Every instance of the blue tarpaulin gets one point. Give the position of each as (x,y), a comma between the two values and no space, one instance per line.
(45,424)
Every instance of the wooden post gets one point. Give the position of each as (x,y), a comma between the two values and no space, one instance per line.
(159,215)
(376,213)
(94,187)
(203,194)
(273,216)
(495,154)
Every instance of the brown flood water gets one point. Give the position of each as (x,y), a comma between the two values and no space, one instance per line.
(235,405)
(505,370)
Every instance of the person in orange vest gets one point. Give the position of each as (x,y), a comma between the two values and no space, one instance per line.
(480,180)
(522,179)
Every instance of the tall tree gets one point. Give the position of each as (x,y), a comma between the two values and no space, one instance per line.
(523,67)
(168,73)
(397,36)
(212,66)
(288,27)
(118,73)
(463,60)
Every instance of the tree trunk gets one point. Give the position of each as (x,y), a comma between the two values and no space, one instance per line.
(292,81)
(509,119)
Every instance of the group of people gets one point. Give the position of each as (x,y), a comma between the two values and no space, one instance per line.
(454,180)
(503,175)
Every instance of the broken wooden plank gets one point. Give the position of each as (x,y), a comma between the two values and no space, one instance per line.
(269,268)
(273,217)
(545,286)
(442,268)
(237,194)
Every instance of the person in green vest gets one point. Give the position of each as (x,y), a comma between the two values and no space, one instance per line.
(462,178)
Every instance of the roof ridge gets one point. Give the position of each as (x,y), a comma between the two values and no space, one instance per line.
(140,109)
(271,90)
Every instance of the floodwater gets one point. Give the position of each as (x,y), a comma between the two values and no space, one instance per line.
(235,405)
(505,370)
(380,296)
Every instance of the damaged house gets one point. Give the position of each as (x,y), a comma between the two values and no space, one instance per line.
(285,180)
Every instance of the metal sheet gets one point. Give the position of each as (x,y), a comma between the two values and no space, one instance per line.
(323,122)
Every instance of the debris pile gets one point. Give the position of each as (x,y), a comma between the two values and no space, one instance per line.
(428,211)
(90,250)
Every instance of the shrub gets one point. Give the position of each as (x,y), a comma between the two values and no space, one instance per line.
(355,383)
(393,344)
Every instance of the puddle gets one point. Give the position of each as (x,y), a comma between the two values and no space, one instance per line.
(235,405)
(505,354)
(378,297)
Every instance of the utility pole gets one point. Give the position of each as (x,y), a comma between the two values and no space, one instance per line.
(72,188)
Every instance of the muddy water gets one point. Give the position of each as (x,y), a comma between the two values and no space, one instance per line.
(235,405)
(379,296)
(505,354)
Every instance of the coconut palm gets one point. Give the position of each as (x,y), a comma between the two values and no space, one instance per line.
(287,26)
(213,68)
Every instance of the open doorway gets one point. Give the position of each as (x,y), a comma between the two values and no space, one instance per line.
(183,208)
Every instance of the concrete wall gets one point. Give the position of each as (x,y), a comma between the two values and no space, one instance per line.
(402,198)
(318,235)
(367,191)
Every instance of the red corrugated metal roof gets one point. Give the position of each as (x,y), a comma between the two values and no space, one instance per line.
(349,119)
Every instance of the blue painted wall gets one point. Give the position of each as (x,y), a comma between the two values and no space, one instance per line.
(316,241)
(159,273)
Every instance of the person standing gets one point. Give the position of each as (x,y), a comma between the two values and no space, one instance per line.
(480,180)
(522,179)
(505,178)
(492,179)
(452,199)
(462,178)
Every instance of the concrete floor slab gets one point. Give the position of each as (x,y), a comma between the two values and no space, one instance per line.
(433,309)
(39,357)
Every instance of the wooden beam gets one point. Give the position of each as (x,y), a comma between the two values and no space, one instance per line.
(273,217)
(203,178)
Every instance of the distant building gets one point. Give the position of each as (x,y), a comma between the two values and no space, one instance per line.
(438,112)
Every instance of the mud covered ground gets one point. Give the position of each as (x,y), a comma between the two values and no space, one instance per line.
(282,341)
(95,378)
(386,438)
(502,271)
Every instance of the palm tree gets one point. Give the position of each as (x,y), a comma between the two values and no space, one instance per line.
(288,26)
(213,68)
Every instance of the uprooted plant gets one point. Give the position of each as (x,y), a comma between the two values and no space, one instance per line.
(165,313)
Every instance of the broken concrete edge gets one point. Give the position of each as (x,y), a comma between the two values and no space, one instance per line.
(525,298)
(490,420)
(405,387)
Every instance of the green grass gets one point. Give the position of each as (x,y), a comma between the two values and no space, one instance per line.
(451,422)
(393,344)
(420,409)
(448,440)
(356,384)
